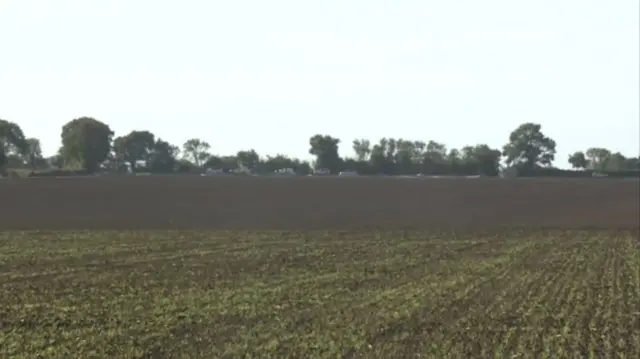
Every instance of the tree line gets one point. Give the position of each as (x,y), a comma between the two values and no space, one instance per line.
(90,145)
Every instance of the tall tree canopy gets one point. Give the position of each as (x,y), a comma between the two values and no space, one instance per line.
(196,150)
(12,141)
(163,157)
(249,160)
(134,147)
(528,147)
(325,149)
(86,142)
(578,160)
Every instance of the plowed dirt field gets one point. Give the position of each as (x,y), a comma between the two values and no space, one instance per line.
(188,202)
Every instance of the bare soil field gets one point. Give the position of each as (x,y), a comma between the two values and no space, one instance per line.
(188,202)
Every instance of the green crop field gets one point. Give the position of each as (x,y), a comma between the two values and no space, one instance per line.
(214,294)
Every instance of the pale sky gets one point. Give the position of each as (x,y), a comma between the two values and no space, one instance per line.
(269,74)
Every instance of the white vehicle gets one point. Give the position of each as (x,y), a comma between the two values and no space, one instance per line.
(214,172)
(321,172)
(241,171)
(348,173)
(284,172)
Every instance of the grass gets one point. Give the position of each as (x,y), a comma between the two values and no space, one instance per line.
(319,295)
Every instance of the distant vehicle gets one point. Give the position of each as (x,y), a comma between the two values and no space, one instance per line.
(214,172)
(348,173)
(321,172)
(243,171)
(284,172)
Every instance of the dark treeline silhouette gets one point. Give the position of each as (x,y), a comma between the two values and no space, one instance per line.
(89,146)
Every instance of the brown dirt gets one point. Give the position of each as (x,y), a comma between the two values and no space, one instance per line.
(180,202)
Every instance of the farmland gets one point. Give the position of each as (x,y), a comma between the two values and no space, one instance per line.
(161,267)
(188,202)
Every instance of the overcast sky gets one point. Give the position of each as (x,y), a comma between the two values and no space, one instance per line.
(269,74)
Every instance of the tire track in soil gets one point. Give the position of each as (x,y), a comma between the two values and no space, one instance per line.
(441,305)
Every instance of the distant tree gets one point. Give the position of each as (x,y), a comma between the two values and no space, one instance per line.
(617,162)
(632,164)
(479,160)
(528,148)
(325,148)
(215,162)
(403,157)
(134,147)
(578,160)
(230,162)
(12,141)
(226,163)
(488,160)
(454,159)
(87,142)
(435,159)
(280,161)
(56,161)
(163,157)
(196,150)
(362,149)
(598,158)
(186,166)
(248,159)
(378,160)
(34,153)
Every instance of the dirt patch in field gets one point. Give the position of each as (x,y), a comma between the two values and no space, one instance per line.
(188,202)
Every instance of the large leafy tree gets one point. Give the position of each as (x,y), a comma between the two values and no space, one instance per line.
(163,157)
(379,160)
(435,158)
(325,149)
(362,149)
(602,159)
(578,160)
(248,159)
(12,141)
(598,158)
(196,150)
(134,147)
(528,147)
(404,157)
(485,160)
(86,142)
